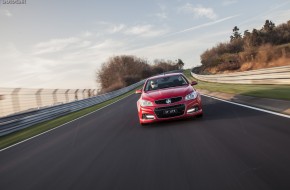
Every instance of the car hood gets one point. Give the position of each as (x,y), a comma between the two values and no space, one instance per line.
(167,93)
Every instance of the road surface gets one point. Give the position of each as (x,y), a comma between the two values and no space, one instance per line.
(231,147)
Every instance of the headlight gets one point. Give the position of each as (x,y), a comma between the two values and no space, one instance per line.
(145,103)
(191,96)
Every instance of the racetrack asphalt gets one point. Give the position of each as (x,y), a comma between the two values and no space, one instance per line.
(231,147)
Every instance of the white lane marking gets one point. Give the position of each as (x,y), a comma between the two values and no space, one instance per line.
(251,107)
(62,125)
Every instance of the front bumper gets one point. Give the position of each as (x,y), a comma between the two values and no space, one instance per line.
(181,109)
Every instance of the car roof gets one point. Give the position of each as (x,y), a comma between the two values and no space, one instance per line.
(163,75)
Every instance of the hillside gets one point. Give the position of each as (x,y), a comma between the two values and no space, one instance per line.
(263,48)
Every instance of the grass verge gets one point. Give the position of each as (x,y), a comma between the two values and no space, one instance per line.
(34,130)
(281,92)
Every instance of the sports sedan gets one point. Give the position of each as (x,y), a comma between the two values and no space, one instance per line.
(166,97)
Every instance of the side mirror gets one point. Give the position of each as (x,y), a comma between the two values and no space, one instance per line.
(138,91)
(193,83)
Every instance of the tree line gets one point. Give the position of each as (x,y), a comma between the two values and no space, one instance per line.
(124,70)
(258,46)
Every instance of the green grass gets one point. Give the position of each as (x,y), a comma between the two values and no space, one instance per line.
(265,91)
(18,136)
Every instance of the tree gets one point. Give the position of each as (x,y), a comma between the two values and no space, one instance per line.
(247,47)
(180,63)
(247,39)
(236,35)
(255,39)
(246,33)
(124,70)
(121,71)
(268,26)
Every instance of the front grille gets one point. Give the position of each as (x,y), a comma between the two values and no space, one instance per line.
(173,100)
(167,112)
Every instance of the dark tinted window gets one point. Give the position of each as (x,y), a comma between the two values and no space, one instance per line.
(165,82)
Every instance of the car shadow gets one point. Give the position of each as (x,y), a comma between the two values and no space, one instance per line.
(212,110)
(172,123)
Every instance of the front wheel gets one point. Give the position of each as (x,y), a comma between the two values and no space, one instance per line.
(144,124)
(200,115)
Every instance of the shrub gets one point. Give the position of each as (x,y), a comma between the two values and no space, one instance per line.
(124,70)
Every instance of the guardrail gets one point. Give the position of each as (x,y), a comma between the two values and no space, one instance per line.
(275,75)
(18,100)
(20,121)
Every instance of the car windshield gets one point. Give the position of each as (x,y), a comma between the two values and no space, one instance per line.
(165,82)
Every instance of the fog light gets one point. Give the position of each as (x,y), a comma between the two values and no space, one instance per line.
(195,109)
(191,110)
(148,116)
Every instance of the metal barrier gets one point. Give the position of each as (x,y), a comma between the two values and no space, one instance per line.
(23,120)
(275,75)
(19,100)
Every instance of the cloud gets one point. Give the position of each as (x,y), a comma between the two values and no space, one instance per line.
(75,66)
(86,34)
(108,27)
(161,15)
(55,45)
(73,69)
(198,11)
(139,30)
(21,68)
(6,13)
(229,2)
(58,63)
(179,48)
(144,31)
(202,25)
(116,28)
(107,44)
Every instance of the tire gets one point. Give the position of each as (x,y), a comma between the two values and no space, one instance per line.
(200,115)
(144,124)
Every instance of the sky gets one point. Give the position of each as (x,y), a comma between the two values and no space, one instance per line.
(61,44)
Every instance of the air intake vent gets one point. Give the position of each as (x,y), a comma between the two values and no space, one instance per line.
(172,100)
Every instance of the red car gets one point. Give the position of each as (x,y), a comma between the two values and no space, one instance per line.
(166,97)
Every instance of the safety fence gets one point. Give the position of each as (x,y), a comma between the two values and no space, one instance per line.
(76,101)
(17,100)
(30,107)
(275,75)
